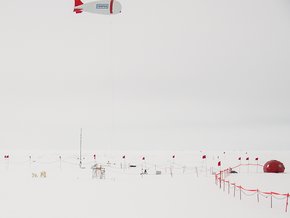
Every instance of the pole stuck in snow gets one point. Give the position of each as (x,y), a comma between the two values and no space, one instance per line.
(234,189)
(29,161)
(81,148)
(220,179)
(287,199)
(271,200)
(60,162)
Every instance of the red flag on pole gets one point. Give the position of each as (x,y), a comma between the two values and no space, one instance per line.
(204,157)
(124,157)
(240,158)
(173,156)
(247,158)
(143,158)
(219,163)
(257,158)
(94,156)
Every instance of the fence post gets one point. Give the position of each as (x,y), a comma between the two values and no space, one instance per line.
(220,179)
(234,189)
(287,197)
(271,200)
(215,179)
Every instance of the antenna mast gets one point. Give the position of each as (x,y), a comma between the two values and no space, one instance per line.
(81,138)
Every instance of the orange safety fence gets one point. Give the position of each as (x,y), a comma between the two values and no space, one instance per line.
(222,174)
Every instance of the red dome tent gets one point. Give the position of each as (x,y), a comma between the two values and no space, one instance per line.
(274,166)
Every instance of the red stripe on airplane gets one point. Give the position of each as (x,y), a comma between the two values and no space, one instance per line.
(111,6)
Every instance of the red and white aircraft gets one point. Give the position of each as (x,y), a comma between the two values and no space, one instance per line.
(106,7)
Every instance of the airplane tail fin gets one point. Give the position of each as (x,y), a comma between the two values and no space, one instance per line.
(78,3)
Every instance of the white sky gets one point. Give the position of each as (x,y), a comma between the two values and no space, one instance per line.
(190,74)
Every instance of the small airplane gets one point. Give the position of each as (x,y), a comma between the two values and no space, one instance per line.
(106,7)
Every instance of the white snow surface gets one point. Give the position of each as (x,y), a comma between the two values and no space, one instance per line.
(190,191)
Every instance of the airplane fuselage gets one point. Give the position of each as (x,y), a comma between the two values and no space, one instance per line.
(105,7)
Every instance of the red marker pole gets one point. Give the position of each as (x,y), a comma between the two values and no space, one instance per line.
(124,162)
(144,163)
(248,164)
(172,166)
(173,160)
(219,165)
(6,157)
(204,163)
(240,159)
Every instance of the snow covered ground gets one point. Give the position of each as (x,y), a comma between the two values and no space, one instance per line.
(184,188)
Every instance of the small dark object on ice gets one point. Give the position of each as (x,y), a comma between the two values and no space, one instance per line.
(233,171)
